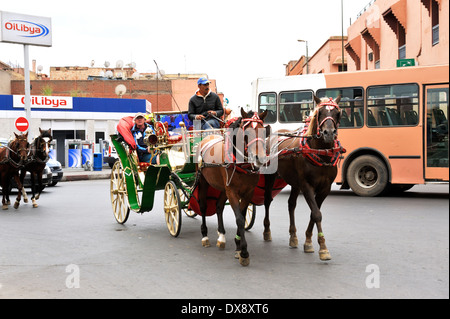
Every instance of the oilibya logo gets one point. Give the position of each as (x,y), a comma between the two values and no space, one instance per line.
(30,29)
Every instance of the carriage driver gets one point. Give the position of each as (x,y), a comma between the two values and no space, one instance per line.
(139,131)
(205,106)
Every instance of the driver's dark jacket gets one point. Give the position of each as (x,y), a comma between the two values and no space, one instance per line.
(199,104)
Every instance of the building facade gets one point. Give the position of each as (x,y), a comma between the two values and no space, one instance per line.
(69,118)
(391,33)
(328,59)
(386,34)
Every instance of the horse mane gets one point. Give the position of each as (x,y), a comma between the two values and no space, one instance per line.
(45,133)
(237,123)
(313,118)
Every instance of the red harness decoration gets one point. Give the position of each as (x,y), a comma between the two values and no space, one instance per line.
(228,147)
(314,155)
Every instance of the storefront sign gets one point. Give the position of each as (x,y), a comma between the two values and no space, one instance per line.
(44,102)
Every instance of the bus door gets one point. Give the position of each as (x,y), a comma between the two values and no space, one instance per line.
(436,132)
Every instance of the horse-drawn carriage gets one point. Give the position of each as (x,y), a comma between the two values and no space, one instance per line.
(199,174)
(133,183)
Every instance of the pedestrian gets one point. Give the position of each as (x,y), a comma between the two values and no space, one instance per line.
(205,107)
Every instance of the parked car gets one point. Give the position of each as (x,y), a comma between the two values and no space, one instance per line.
(47,178)
(3,142)
(111,157)
(57,172)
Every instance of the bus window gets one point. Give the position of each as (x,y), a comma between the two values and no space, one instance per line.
(437,127)
(351,104)
(268,101)
(295,106)
(393,105)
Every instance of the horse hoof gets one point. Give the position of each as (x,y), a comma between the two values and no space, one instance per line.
(267,236)
(220,245)
(205,242)
(324,255)
(5,207)
(35,205)
(25,200)
(293,242)
(16,205)
(244,261)
(308,248)
(8,203)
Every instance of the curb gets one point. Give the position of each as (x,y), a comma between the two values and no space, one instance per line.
(83,177)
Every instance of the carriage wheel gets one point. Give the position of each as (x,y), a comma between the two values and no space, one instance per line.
(250,216)
(119,195)
(172,208)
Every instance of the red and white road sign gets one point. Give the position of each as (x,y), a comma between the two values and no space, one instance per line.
(22,124)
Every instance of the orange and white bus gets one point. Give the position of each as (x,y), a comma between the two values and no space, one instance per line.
(394,122)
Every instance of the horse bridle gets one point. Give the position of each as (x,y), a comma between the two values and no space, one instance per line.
(38,149)
(14,163)
(330,106)
(254,121)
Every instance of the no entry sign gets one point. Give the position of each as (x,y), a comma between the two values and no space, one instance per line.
(22,124)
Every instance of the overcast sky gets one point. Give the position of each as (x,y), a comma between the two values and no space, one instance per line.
(233,41)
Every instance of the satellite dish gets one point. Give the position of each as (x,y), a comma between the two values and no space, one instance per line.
(119,64)
(106,64)
(92,63)
(109,74)
(40,68)
(120,90)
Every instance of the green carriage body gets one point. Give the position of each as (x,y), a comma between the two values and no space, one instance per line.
(134,190)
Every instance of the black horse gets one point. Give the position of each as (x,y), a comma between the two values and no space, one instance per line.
(12,158)
(37,160)
(307,161)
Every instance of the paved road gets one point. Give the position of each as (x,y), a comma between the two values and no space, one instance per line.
(71,247)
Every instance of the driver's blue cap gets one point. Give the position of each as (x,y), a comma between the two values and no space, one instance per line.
(203,80)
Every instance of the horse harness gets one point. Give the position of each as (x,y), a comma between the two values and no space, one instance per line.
(303,148)
(35,150)
(8,159)
(230,149)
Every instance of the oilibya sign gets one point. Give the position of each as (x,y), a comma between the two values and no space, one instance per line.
(44,102)
(25,29)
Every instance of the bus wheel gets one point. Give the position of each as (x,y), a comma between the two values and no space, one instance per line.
(367,176)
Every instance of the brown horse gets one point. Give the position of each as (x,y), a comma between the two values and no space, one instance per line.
(230,165)
(307,161)
(37,160)
(12,158)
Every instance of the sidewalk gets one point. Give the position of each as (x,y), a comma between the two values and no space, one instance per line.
(80,174)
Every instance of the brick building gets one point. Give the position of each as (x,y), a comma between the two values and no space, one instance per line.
(391,30)
(386,32)
(166,94)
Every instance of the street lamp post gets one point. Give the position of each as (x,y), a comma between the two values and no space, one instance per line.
(307,58)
